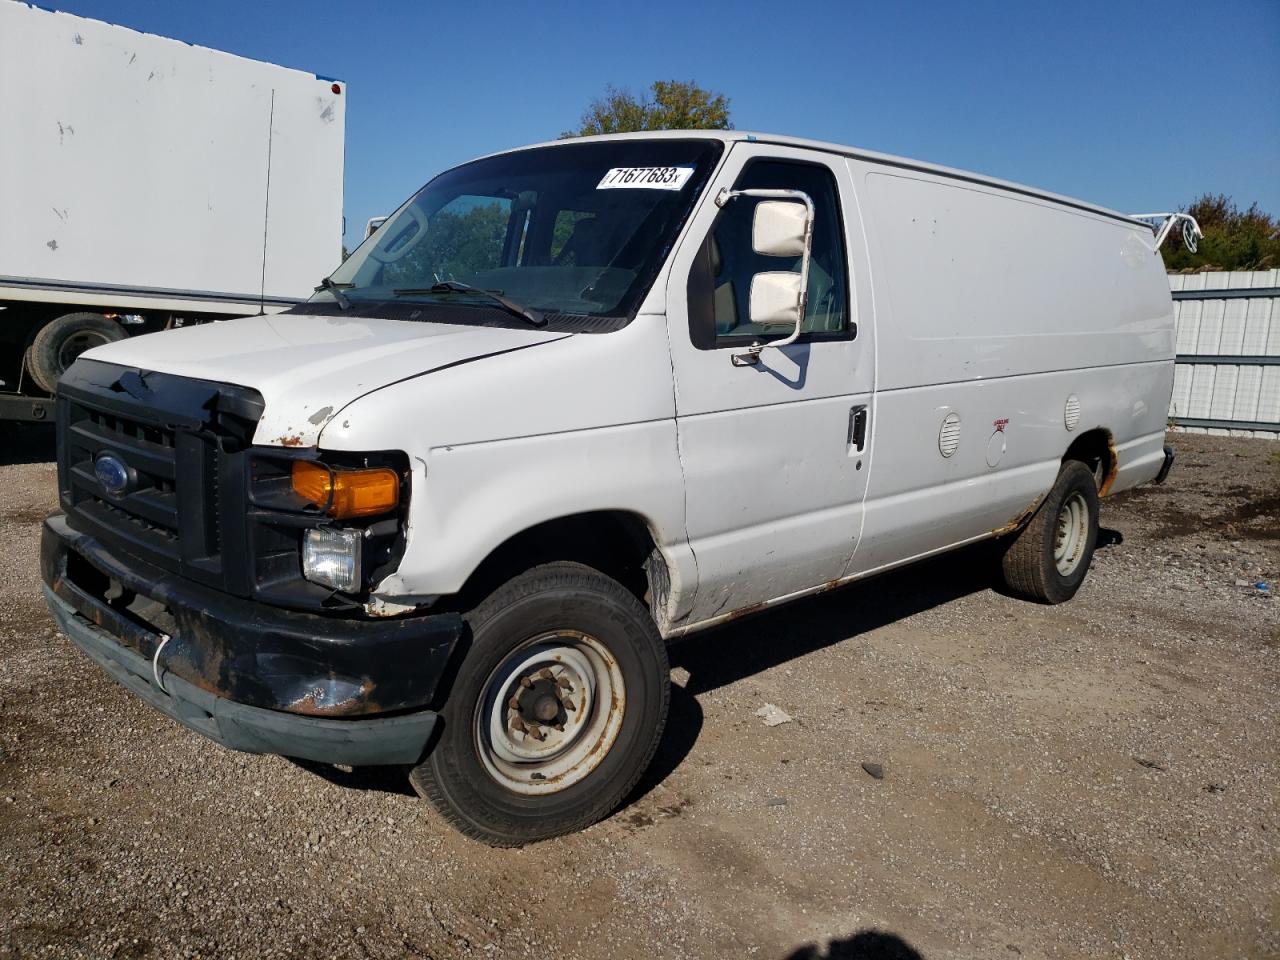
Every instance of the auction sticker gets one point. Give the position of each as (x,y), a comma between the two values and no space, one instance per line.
(645,178)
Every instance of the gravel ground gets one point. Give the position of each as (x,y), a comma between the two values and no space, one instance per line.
(1092,780)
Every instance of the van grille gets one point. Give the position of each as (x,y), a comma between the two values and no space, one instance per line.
(175,446)
(151,506)
(201,501)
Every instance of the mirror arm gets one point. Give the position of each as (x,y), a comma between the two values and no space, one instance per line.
(752,355)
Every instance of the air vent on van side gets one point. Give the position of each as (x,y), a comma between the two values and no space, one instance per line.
(949,435)
(1071,414)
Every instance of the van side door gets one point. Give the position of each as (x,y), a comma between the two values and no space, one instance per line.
(775,454)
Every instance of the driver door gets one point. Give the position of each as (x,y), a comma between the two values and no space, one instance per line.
(775,454)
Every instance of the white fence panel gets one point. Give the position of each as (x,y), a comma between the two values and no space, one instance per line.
(1220,318)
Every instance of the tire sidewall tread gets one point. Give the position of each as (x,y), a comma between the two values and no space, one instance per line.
(1028,564)
(547,597)
(43,354)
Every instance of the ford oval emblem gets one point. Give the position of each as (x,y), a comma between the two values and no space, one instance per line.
(112,473)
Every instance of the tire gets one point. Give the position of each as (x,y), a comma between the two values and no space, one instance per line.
(59,342)
(1049,557)
(564,627)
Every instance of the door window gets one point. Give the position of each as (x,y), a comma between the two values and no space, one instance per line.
(720,282)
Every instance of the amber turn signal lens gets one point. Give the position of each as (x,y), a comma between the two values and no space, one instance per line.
(347,493)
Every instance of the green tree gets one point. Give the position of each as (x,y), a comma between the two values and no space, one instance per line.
(1234,239)
(668,105)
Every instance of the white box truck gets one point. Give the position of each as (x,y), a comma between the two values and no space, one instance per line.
(147,183)
(575,400)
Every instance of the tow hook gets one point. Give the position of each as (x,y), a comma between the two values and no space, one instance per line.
(155,662)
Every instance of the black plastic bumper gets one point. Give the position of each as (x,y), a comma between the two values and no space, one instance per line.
(1166,466)
(250,676)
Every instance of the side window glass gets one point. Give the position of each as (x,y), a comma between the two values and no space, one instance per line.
(719,298)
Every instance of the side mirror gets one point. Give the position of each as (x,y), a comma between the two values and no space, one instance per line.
(779,228)
(776,299)
(782,226)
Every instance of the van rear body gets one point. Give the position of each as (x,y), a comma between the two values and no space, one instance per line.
(573,401)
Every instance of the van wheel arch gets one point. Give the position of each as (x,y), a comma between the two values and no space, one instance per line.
(618,543)
(1096,449)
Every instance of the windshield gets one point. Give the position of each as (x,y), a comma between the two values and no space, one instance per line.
(569,230)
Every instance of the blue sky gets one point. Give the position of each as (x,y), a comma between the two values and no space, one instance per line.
(1135,105)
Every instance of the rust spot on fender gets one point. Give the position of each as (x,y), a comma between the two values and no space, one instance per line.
(290,440)
(1017,522)
(1113,467)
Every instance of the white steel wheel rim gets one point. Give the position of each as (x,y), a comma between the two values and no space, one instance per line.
(1072,534)
(550,713)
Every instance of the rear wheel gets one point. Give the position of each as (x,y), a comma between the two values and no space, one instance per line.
(555,712)
(1049,557)
(59,342)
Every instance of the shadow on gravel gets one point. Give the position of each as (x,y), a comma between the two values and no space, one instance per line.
(1109,538)
(376,779)
(26,443)
(684,723)
(728,653)
(865,945)
(725,654)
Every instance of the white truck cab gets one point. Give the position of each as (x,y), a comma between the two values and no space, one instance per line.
(572,401)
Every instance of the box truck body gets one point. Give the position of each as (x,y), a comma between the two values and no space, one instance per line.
(147,179)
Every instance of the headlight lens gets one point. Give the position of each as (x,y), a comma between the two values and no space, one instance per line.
(332,557)
(347,493)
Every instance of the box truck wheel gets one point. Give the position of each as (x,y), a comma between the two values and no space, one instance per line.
(57,344)
(1049,557)
(555,712)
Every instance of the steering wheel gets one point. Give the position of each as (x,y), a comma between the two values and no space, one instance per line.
(402,242)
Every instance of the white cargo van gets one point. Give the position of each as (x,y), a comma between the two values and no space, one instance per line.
(572,401)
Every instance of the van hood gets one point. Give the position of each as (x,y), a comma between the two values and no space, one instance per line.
(309,367)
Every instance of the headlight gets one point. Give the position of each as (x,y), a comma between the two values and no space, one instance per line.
(332,557)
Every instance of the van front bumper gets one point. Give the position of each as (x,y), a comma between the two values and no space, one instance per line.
(246,675)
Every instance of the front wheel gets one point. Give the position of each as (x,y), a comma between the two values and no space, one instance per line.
(555,712)
(1049,557)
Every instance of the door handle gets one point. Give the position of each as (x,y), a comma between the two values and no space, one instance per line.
(858,426)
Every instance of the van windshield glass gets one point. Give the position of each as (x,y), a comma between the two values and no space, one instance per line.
(574,230)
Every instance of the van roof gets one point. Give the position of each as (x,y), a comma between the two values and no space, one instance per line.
(748,136)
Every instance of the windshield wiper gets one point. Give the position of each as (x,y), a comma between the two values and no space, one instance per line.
(527,314)
(336,289)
